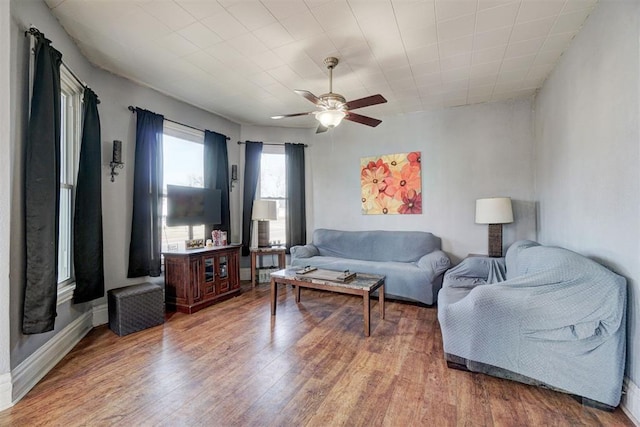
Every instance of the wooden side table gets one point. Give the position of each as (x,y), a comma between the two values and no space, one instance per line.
(256,252)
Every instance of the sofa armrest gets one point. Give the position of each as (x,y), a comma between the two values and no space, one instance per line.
(436,261)
(306,251)
(476,270)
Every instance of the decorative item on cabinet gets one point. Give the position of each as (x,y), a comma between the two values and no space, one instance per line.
(219,238)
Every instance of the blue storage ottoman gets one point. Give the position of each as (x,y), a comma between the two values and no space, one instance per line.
(134,308)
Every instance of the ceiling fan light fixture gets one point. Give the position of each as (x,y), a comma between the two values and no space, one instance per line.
(330,118)
(333,107)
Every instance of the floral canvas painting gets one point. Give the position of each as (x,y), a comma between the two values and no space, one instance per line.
(391,184)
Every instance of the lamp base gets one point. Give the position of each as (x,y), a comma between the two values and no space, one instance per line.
(263,234)
(495,240)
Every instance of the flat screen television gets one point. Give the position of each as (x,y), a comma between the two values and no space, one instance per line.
(192,206)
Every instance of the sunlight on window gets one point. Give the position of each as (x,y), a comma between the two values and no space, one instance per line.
(273,186)
(182,165)
(70,121)
(272,177)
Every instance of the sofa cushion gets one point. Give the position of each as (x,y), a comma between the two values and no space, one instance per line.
(408,280)
(399,246)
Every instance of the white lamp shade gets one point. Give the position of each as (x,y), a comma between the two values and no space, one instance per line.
(264,210)
(330,118)
(496,210)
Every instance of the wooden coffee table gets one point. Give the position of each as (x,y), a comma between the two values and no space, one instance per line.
(363,285)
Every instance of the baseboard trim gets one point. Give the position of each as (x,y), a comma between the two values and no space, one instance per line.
(100,315)
(5,391)
(631,401)
(27,374)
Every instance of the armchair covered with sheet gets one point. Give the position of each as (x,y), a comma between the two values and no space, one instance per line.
(541,315)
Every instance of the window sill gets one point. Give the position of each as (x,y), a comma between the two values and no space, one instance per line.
(65,293)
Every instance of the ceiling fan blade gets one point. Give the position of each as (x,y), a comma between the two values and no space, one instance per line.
(321,128)
(311,97)
(365,102)
(369,121)
(282,116)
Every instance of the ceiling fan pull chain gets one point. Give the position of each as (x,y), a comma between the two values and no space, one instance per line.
(330,79)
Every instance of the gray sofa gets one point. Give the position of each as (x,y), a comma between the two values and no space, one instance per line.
(542,315)
(411,260)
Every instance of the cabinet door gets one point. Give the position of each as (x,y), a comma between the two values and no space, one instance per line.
(208,287)
(194,281)
(222,268)
(234,277)
(177,279)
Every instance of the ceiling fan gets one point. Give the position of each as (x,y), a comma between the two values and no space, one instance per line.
(333,107)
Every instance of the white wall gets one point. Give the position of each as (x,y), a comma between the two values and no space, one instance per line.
(585,160)
(279,135)
(5,207)
(25,14)
(117,122)
(587,151)
(467,153)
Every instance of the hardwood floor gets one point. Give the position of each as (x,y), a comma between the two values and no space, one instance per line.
(232,364)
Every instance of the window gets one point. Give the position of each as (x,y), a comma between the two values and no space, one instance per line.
(183,164)
(273,186)
(70,134)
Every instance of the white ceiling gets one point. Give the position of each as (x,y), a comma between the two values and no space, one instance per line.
(242,58)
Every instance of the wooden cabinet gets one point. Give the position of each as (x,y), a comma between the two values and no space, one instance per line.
(197,278)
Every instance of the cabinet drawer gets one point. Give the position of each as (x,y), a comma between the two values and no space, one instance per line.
(223,286)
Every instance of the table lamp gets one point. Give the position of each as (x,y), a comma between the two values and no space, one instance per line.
(263,212)
(495,212)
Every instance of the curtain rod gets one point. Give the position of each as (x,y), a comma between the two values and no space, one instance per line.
(133,110)
(33,31)
(272,143)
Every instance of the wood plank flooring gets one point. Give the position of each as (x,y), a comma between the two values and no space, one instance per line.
(232,364)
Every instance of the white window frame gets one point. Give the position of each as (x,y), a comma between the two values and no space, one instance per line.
(70,140)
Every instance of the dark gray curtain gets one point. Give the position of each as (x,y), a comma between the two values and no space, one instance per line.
(146,223)
(296,228)
(42,191)
(252,155)
(87,219)
(216,175)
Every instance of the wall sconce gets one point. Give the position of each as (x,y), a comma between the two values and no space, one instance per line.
(234,175)
(116,161)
